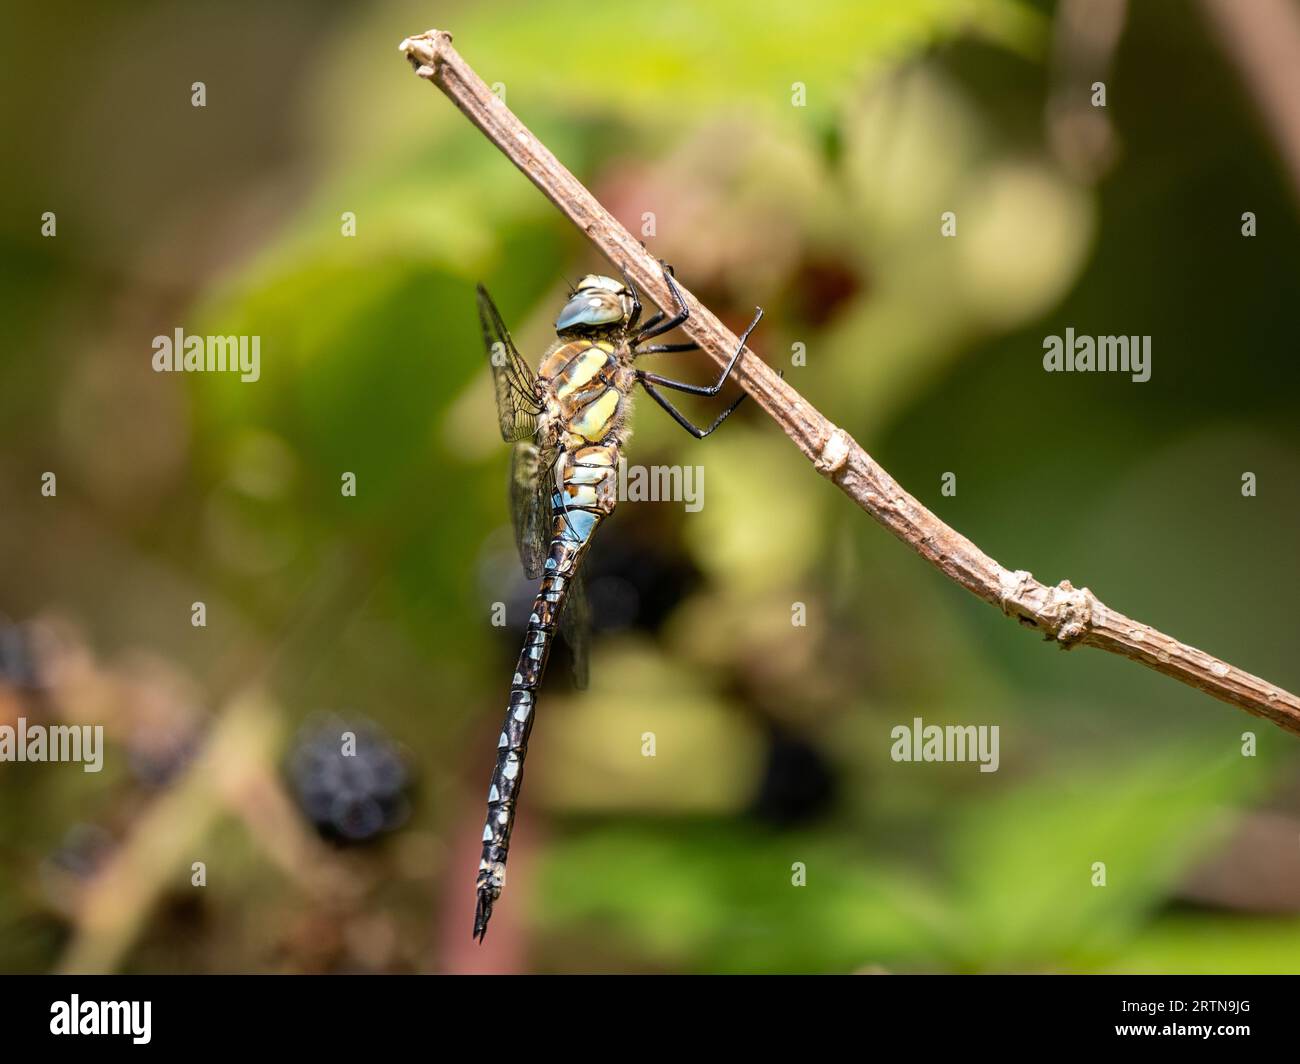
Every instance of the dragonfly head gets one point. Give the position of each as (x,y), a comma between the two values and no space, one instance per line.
(598,304)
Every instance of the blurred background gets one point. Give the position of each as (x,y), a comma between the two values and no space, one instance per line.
(374,612)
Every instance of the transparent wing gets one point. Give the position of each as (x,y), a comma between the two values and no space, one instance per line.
(575,626)
(531,474)
(517,401)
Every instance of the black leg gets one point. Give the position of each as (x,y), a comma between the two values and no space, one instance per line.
(704,389)
(682,312)
(636,301)
(653,320)
(660,349)
(681,418)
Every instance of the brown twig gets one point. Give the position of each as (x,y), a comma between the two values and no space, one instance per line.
(1067,615)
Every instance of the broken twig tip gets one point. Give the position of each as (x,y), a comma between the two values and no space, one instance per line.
(424,50)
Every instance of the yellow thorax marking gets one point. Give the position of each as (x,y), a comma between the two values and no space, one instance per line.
(593,422)
(581,371)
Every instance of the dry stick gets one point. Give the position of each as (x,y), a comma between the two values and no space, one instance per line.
(1068,615)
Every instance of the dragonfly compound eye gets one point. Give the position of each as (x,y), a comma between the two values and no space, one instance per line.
(590,309)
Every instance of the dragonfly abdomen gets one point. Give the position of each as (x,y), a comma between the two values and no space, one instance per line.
(586,494)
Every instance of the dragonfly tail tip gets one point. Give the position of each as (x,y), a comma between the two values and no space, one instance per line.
(482,913)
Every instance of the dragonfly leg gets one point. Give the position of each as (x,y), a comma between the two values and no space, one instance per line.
(681,418)
(653,320)
(659,349)
(636,301)
(682,314)
(704,389)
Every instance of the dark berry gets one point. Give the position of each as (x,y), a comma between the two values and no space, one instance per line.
(797,785)
(350,779)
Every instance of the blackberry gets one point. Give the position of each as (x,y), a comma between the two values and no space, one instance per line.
(798,785)
(638,583)
(351,791)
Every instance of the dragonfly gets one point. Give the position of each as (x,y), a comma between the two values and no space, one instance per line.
(568,422)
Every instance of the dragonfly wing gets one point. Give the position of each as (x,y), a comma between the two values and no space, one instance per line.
(531,471)
(518,404)
(575,626)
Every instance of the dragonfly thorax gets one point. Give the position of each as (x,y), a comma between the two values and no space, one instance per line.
(585,385)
